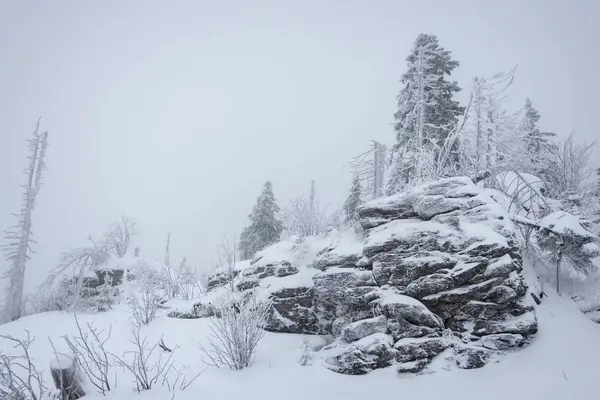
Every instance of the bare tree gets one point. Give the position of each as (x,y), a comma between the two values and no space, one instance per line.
(168,250)
(236,332)
(305,217)
(143,306)
(19,377)
(118,237)
(19,237)
(226,262)
(89,351)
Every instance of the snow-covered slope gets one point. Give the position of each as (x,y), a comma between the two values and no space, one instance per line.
(562,363)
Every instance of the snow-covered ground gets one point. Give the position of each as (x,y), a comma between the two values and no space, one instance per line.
(561,363)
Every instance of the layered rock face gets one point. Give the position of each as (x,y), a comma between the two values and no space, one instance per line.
(436,276)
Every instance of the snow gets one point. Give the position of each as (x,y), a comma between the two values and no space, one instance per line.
(390,297)
(403,228)
(510,181)
(500,263)
(561,221)
(61,361)
(553,367)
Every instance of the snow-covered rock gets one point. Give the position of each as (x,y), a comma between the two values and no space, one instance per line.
(439,260)
(364,327)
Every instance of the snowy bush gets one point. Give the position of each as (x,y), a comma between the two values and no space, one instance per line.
(236,332)
(88,348)
(143,306)
(19,377)
(140,363)
(306,355)
(180,281)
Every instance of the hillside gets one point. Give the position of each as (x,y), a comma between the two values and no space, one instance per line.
(561,363)
(430,298)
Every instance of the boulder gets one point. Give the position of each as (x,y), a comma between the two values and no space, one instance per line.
(360,329)
(413,349)
(369,353)
(502,341)
(330,258)
(400,328)
(429,284)
(397,306)
(471,357)
(293,311)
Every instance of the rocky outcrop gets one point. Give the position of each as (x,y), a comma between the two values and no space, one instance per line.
(438,271)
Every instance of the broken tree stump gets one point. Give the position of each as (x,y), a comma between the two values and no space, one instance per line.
(66,379)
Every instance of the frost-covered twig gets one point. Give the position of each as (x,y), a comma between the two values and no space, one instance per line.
(145,371)
(19,378)
(91,355)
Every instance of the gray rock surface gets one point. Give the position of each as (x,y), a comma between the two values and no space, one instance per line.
(438,262)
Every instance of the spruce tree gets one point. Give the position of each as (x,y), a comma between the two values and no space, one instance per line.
(264,228)
(427,111)
(538,143)
(354,200)
(245,244)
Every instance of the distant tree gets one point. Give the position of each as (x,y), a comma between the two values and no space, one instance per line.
(538,143)
(246,244)
(305,217)
(370,167)
(353,201)
(569,176)
(491,140)
(118,237)
(427,112)
(167,261)
(265,228)
(19,238)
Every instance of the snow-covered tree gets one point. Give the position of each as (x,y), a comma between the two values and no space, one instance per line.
(353,201)
(427,112)
(305,217)
(265,228)
(167,261)
(246,249)
(119,235)
(19,238)
(569,176)
(491,140)
(538,142)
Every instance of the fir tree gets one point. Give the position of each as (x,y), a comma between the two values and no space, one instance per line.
(245,244)
(264,228)
(427,111)
(354,200)
(538,144)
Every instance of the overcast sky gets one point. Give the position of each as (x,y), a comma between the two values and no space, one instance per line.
(175,113)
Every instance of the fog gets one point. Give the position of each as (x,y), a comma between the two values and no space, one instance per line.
(175,113)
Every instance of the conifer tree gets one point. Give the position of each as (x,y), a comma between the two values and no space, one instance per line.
(354,200)
(427,112)
(538,144)
(245,244)
(265,229)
